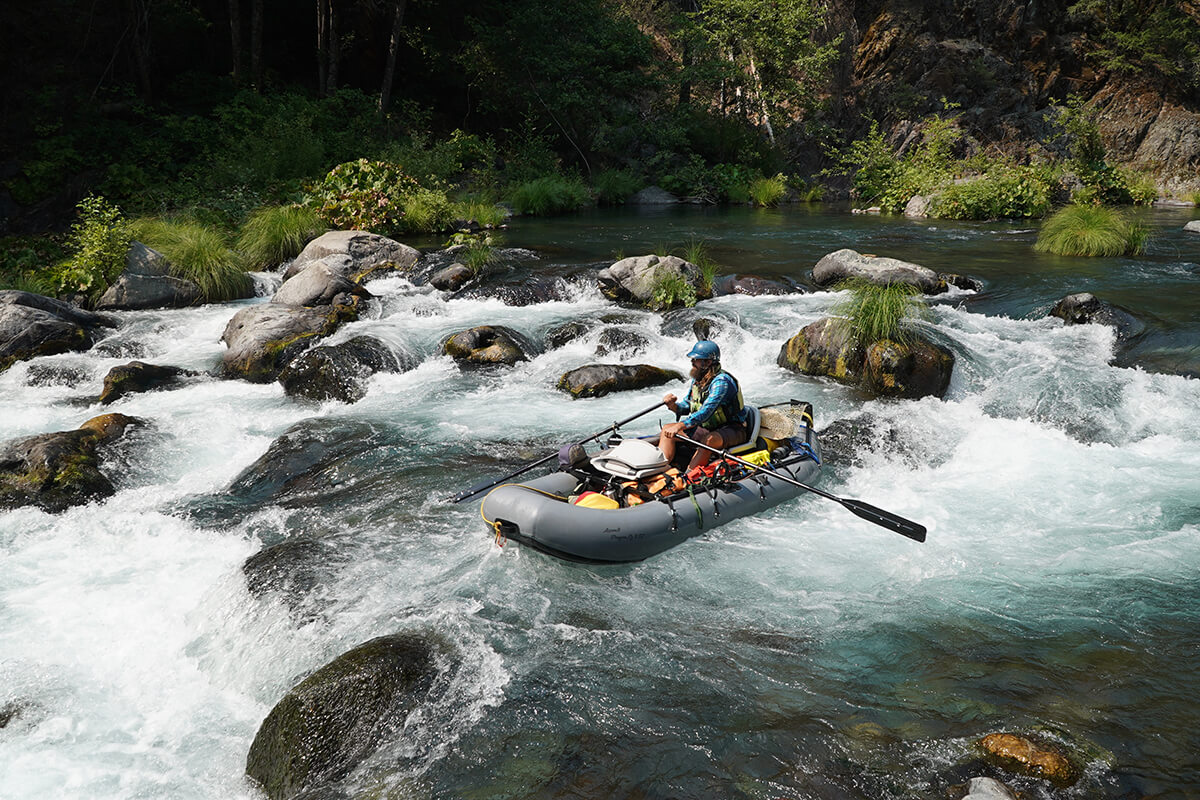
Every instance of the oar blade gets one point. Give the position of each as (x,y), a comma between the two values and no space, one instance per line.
(886,519)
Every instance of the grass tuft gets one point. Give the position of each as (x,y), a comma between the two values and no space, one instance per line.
(197,253)
(768,192)
(696,252)
(1090,231)
(613,186)
(274,234)
(553,194)
(876,312)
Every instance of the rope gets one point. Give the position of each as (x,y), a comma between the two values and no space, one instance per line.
(495,525)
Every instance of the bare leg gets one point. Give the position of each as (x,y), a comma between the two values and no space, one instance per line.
(712,439)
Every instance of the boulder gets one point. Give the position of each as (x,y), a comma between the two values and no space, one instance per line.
(621,340)
(528,292)
(567,332)
(597,380)
(138,376)
(636,278)
(339,372)
(753,285)
(486,345)
(318,284)
(825,347)
(338,716)
(988,789)
(367,254)
(55,471)
(907,369)
(452,278)
(264,338)
(1193,226)
(32,325)
(918,206)
(653,196)
(1084,308)
(146,282)
(1024,756)
(845,264)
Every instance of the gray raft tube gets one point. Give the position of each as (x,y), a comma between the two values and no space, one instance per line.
(536,513)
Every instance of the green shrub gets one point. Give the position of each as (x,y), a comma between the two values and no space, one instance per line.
(1090,231)
(613,186)
(198,253)
(364,195)
(1196,199)
(99,241)
(427,211)
(483,213)
(672,290)
(767,192)
(274,234)
(1004,192)
(26,262)
(552,194)
(696,252)
(876,312)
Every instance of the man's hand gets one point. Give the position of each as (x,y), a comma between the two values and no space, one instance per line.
(671,401)
(671,428)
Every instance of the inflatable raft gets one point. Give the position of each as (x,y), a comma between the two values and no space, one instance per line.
(539,513)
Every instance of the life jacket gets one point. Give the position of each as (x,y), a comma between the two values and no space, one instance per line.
(727,412)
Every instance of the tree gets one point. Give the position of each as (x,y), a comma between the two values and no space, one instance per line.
(389,70)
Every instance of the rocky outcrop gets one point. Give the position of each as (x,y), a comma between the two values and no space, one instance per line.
(55,471)
(1024,756)
(32,325)
(653,196)
(845,264)
(339,715)
(910,369)
(451,278)
(147,282)
(1084,308)
(339,372)
(138,376)
(597,380)
(487,345)
(363,254)
(637,278)
(263,339)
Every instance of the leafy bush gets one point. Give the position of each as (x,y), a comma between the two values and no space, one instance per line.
(380,197)
(198,253)
(99,241)
(1004,192)
(1090,231)
(24,262)
(882,178)
(274,234)
(672,290)
(767,192)
(552,194)
(614,186)
(876,312)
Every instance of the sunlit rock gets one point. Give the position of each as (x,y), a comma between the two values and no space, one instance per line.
(138,376)
(147,282)
(1084,308)
(55,471)
(988,789)
(639,278)
(263,339)
(567,332)
(451,278)
(1193,226)
(32,325)
(340,372)
(825,347)
(319,283)
(845,264)
(338,716)
(366,254)
(1023,756)
(486,345)
(597,380)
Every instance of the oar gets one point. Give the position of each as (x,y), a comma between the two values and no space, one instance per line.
(886,519)
(474,490)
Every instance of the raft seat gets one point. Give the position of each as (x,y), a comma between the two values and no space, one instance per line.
(754,423)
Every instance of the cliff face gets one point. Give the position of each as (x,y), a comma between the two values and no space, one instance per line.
(1005,63)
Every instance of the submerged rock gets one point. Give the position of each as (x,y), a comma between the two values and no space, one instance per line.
(1023,756)
(567,332)
(138,376)
(753,285)
(32,325)
(55,471)
(340,372)
(845,264)
(597,380)
(988,789)
(339,715)
(263,339)
(486,345)
(1084,308)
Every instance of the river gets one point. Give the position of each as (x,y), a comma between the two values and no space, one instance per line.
(802,653)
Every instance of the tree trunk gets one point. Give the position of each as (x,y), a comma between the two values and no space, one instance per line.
(235,38)
(335,48)
(766,114)
(256,26)
(139,24)
(389,70)
(322,46)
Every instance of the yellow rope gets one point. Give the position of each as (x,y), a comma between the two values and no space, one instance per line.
(495,524)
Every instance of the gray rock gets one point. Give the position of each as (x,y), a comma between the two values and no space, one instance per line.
(918,206)
(67,311)
(597,380)
(366,253)
(567,332)
(263,339)
(452,278)
(621,340)
(846,263)
(338,716)
(753,285)
(653,196)
(486,345)
(988,789)
(1193,226)
(132,292)
(32,325)
(339,372)
(637,277)
(318,284)
(138,376)
(1084,308)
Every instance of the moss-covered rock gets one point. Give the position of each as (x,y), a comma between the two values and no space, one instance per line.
(263,339)
(138,376)
(340,372)
(1024,756)
(339,715)
(487,345)
(638,278)
(597,380)
(826,347)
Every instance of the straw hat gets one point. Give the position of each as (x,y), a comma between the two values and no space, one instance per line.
(775,424)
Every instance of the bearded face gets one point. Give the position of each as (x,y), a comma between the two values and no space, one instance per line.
(700,368)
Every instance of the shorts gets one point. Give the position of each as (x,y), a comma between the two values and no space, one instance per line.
(732,434)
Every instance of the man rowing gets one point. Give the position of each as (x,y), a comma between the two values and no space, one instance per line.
(713,413)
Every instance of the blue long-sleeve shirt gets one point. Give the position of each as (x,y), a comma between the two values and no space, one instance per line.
(722,390)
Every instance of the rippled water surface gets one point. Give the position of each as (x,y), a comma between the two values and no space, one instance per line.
(802,653)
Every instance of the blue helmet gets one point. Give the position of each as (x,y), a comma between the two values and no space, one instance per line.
(705,349)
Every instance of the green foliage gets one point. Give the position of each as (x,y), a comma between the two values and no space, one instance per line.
(876,312)
(1140,37)
(380,197)
(716,184)
(274,234)
(614,186)
(198,253)
(1005,191)
(767,192)
(695,251)
(884,179)
(1086,230)
(99,241)
(553,194)
(25,260)
(447,160)
(672,290)
(427,211)
(481,251)
(481,212)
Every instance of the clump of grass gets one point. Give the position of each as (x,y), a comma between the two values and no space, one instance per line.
(481,212)
(427,211)
(672,290)
(696,252)
(767,192)
(1090,231)
(614,186)
(553,194)
(1196,199)
(876,312)
(273,234)
(198,253)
